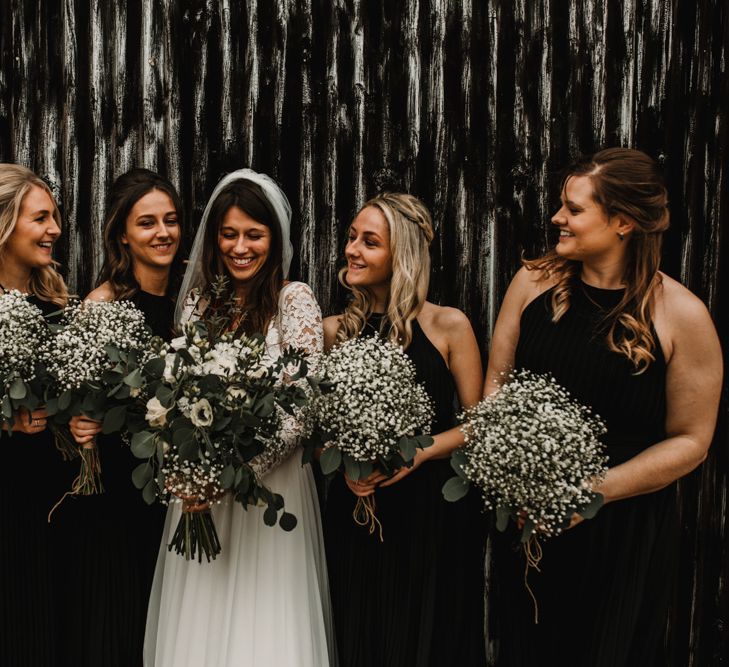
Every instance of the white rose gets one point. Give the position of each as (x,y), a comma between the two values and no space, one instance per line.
(156,412)
(178,343)
(169,365)
(201,413)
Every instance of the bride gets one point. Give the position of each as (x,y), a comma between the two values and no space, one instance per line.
(265,599)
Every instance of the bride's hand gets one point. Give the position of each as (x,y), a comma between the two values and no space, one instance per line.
(84,429)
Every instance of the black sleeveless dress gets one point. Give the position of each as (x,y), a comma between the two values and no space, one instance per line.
(34,476)
(605,586)
(116,538)
(416,598)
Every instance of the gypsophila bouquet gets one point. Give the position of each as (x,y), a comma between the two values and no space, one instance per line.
(214,415)
(372,413)
(87,358)
(23,331)
(535,454)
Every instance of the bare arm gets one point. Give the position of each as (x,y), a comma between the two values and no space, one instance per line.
(464,361)
(523,288)
(693,387)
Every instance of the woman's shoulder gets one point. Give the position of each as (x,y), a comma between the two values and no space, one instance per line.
(677,308)
(445,318)
(103,292)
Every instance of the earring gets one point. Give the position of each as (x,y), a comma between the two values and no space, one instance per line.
(621,236)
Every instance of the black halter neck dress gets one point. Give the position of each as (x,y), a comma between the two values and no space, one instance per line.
(604,586)
(417,597)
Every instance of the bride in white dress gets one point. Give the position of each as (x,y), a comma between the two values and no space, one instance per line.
(264,601)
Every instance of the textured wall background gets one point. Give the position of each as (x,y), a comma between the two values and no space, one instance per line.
(474,105)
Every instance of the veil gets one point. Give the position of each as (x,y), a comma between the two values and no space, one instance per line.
(194,278)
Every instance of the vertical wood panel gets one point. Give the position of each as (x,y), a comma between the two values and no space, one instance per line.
(473,106)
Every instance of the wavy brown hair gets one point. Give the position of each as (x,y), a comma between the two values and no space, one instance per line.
(628,183)
(118,266)
(15,182)
(411,233)
(265,286)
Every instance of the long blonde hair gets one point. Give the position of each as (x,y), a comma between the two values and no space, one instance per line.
(411,232)
(625,182)
(15,182)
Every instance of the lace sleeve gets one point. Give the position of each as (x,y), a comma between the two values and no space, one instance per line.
(299,325)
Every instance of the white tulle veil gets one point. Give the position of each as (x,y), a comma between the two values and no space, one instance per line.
(194,278)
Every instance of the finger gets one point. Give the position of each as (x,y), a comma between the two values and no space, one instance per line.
(40,413)
(392,480)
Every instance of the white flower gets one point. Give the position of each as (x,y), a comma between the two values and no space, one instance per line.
(178,343)
(201,413)
(156,413)
(258,373)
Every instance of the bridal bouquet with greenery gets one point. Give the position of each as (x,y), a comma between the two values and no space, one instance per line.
(535,454)
(94,361)
(23,331)
(371,414)
(215,408)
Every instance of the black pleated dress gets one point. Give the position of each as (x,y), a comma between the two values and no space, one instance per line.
(115,537)
(416,598)
(34,476)
(605,586)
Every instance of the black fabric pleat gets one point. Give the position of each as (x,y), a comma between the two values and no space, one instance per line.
(604,587)
(417,597)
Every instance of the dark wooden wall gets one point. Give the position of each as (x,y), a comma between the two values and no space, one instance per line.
(474,105)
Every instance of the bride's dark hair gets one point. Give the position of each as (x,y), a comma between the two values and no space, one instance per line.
(265,286)
(118,269)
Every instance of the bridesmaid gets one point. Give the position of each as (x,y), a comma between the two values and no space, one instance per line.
(641,350)
(417,597)
(117,534)
(30,225)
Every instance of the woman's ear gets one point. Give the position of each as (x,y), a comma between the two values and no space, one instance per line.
(624,226)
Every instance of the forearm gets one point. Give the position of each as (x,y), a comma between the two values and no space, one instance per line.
(443,444)
(653,469)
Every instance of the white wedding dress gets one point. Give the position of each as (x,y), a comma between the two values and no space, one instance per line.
(264,601)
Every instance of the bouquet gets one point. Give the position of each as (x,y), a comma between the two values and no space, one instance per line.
(216,404)
(88,359)
(23,331)
(371,413)
(535,454)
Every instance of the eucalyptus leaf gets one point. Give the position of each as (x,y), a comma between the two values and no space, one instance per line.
(155,368)
(134,379)
(424,441)
(143,444)
(142,474)
(591,509)
(182,435)
(330,460)
(114,419)
(287,521)
(149,492)
(189,450)
(270,516)
(17,389)
(408,447)
(64,400)
(352,468)
(112,352)
(527,530)
(227,477)
(502,518)
(455,489)
(165,396)
(7,407)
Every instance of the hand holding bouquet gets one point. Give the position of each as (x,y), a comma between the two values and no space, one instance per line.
(371,413)
(535,454)
(216,406)
(87,359)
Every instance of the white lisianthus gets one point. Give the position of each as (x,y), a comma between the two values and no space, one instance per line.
(178,343)
(258,372)
(201,413)
(237,393)
(156,412)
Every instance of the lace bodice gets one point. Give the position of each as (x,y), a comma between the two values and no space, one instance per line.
(298,324)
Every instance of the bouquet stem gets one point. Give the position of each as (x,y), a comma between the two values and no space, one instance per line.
(533,556)
(195,534)
(88,482)
(65,444)
(364,515)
